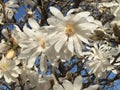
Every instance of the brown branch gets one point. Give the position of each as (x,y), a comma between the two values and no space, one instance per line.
(76,3)
(116,57)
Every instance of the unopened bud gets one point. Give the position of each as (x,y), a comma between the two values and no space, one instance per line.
(10,54)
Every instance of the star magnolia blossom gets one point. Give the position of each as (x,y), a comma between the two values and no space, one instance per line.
(77,85)
(99,59)
(32,42)
(70,29)
(10,8)
(9,69)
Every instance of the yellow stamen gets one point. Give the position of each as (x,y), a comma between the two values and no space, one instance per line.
(42,42)
(70,29)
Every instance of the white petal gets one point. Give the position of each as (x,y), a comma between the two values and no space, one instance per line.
(70,44)
(83,38)
(57,87)
(43,63)
(117,12)
(32,59)
(14,74)
(88,26)
(33,24)
(53,20)
(93,87)
(68,85)
(31,32)
(78,83)
(56,12)
(60,43)
(7,78)
(72,10)
(80,15)
(78,46)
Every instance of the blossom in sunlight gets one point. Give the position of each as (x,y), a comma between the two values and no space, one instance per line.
(9,69)
(99,59)
(70,29)
(77,85)
(32,42)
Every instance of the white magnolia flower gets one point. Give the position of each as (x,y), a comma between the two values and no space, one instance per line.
(32,42)
(99,59)
(70,29)
(10,8)
(9,69)
(77,85)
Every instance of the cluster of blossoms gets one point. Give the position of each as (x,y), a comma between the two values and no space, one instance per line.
(7,10)
(76,34)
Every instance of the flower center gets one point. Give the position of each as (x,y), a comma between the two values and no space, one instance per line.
(70,29)
(42,42)
(4,66)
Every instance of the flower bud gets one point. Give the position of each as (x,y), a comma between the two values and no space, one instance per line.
(10,54)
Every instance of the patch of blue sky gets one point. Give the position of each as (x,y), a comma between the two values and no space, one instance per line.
(112,75)
(114,86)
(21,13)
(2,87)
(74,69)
(5,0)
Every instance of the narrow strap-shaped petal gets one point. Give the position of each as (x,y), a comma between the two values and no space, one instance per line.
(33,24)
(32,59)
(70,44)
(56,13)
(68,85)
(78,83)
(57,87)
(43,63)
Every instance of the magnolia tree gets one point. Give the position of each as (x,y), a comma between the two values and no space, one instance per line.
(59,44)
